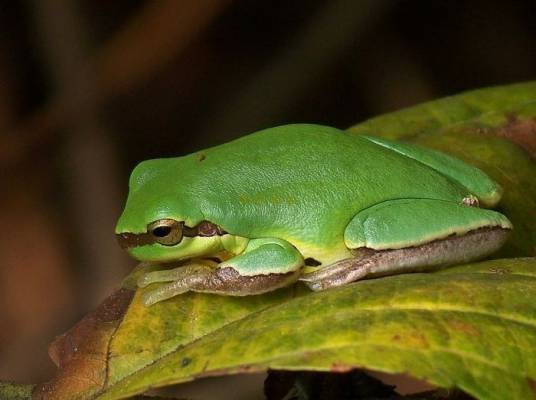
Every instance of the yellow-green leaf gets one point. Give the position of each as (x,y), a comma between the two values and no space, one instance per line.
(12,391)
(472,326)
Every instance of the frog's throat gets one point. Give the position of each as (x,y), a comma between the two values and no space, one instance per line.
(203,229)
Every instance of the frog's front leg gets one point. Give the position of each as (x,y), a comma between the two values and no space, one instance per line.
(266,264)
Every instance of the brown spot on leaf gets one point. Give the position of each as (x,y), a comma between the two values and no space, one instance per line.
(341,367)
(464,327)
(521,131)
(246,368)
(419,340)
(413,338)
(81,353)
(114,307)
(185,361)
(201,157)
(532,384)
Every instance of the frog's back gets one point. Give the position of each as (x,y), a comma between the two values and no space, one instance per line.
(299,180)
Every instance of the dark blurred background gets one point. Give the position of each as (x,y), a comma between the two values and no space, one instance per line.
(90,88)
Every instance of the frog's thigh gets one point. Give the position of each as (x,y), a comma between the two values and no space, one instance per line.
(265,265)
(473,179)
(409,235)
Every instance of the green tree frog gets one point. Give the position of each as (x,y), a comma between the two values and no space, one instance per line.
(304,202)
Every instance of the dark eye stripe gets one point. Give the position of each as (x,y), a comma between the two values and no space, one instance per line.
(203,229)
(127,239)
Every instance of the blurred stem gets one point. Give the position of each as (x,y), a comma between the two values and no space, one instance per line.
(160,31)
(91,168)
(150,39)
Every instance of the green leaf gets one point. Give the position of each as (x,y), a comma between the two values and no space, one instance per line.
(493,129)
(149,333)
(471,327)
(13,391)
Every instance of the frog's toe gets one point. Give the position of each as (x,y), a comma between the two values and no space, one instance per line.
(193,268)
(146,280)
(160,276)
(337,274)
(163,292)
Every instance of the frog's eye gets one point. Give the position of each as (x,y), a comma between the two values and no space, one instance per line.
(166,231)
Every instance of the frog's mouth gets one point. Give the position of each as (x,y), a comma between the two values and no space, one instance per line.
(177,229)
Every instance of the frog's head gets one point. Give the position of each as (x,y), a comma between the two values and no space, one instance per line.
(159,222)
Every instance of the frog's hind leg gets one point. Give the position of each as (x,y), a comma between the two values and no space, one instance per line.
(412,235)
(474,180)
(443,252)
(265,265)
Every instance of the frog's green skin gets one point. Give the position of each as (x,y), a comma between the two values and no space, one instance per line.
(357,206)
